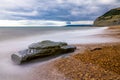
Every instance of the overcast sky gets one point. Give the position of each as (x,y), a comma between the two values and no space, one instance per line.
(55,10)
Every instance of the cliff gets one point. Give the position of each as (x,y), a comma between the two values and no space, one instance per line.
(110,18)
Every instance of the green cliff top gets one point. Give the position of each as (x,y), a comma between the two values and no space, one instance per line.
(111,17)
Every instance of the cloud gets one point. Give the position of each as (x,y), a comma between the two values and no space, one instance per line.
(39,23)
(31,23)
(82,22)
(13,9)
(56,10)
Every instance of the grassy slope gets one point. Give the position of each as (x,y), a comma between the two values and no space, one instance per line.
(111,17)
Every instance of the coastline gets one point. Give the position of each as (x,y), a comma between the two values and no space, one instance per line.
(92,65)
(48,69)
(81,64)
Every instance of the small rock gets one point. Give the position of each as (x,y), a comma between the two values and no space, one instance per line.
(94,49)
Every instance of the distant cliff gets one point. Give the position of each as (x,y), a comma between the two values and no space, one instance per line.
(110,18)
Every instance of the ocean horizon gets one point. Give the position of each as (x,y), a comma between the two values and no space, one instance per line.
(67,25)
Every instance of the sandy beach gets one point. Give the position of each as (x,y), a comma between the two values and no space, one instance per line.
(73,66)
(85,64)
(60,40)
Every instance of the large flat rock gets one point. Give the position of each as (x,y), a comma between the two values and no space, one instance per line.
(41,49)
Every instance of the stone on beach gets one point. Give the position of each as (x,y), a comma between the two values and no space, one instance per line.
(41,49)
(97,48)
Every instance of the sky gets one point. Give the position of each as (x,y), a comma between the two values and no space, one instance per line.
(52,12)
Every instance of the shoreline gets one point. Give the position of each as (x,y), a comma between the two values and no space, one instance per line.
(72,68)
(47,69)
(103,63)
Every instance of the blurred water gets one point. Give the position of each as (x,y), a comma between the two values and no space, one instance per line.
(15,39)
(16,32)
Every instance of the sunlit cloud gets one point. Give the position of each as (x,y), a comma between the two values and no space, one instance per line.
(26,23)
(40,23)
(82,22)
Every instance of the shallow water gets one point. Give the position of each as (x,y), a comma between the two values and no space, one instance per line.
(11,71)
(7,33)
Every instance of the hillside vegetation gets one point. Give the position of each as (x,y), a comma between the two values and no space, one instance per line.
(111,17)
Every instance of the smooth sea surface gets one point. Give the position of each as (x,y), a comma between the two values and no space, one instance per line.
(16,39)
(7,33)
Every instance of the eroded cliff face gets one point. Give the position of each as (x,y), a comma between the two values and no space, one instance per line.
(110,18)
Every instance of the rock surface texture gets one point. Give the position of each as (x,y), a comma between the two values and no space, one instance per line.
(110,18)
(41,49)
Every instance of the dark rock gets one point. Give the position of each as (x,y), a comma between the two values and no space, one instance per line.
(40,49)
(46,44)
(94,49)
(68,48)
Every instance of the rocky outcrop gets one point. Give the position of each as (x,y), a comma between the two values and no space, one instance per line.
(110,18)
(40,49)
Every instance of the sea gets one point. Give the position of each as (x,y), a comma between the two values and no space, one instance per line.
(14,39)
(49,33)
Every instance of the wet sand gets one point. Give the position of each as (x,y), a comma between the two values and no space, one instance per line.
(72,68)
(45,69)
